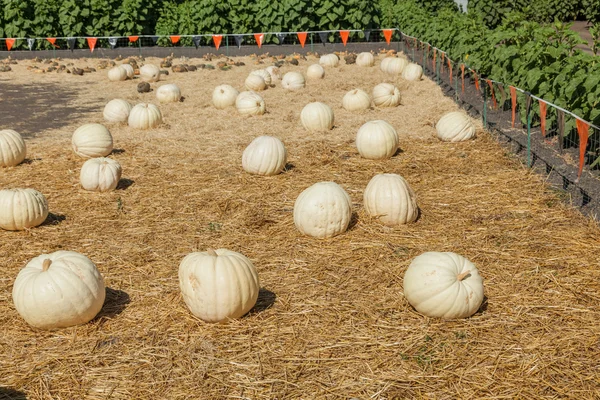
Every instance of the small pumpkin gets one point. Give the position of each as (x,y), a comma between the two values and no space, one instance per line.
(377,140)
(92,140)
(59,290)
(265,155)
(129,69)
(150,73)
(329,60)
(455,126)
(255,83)
(117,110)
(317,116)
(390,199)
(365,59)
(117,73)
(315,71)
(250,103)
(275,73)
(169,93)
(323,210)
(263,73)
(100,174)
(356,100)
(144,116)
(224,96)
(22,209)
(293,81)
(12,148)
(443,285)
(386,95)
(218,285)
(412,72)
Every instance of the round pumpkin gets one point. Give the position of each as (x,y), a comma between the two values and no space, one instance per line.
(150,73)
(293,81)
(92,140)
(329,60)
(117,110)
(255,83)
(386,95)
(396,65)
(265,155)
(59,290)
(323,210)
(356,100)
(317,116)
(443,285)
(100,174)
(315,71)
(274,72)
(12,148)
(117,73)
(169,93)
(455,126)
(22,209)
(129,69)
(365,59)
(377,140)
(385,63)
(390,199)
(250,103)
(412,72)
(218,285)
(224,96)
(263,73)
(144,116)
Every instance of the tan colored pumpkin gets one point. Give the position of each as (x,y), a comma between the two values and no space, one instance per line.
(150,73)
(224,96)
(323,210)
(129,69)
(329,60)
(250,103)
(390,199)
(377,140)
(356,100)
(117,73)
(412,72)
(317,116)
(386,95)
(12,148)
(92,140)
(144,116)
(455,126)
(117,110)
(255,83)
(22,209)
(315,71)
(293,81)
(169,93)
(365,59)
(100,174)
(265,155)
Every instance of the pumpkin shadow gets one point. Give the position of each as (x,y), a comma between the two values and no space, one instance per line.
(115,303)
(288,167)
(117,151)
(398,152)
(11,394)
(29,161)
(353,220)
(484,306)
(124,183)
(54,219)
(265,300)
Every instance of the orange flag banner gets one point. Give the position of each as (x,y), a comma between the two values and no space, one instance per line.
(217,40)
(491,85)
(133,39)
(450,69)
(462,68)
(302,38)
(52,41)
(259,37)
(175,39)
(344,35)
(513,101)
(583,130)
(387,34)
(442,62)
(10,43)
(476,81)
(92,43)
(543,111)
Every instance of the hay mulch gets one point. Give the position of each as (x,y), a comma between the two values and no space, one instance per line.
(331,321)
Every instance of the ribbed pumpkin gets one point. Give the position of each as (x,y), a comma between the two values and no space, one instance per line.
(315,71)
(356,100)
(255,83)
(150,73)
(389,198)
(92,140)
(100,174)
(377,140)
(317,116)
(117,73)
(250,103)
(323,210)
(144,116)
(117,110)
(386,95)
(385,63)
(129,69)
(365,59)
(263,73)
(443,285)
(412,72)
(329,60)
(12,148)
(293,81)
(224,96)
(169,93)
(265,155)
(218,285)
(396,65)
(22,209)
(455,126)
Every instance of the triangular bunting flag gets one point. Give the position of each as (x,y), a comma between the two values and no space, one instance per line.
(154,39)
(175,39)
(10,43)
(302,37)
(239,39)
(367,34)
(513,101)
(476,80)
(52,41)
(133,39)
(344,35)
(113,42)
(323,37)
(196,40)
(71,43)
(442,62)
(491,85)
(387,34)
(217,40)
(543,111)
(92,43)
(259,37)
(30,43)
(281,37)
(450,69)
(583,132)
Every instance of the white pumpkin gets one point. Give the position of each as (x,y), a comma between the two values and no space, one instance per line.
(22,209)
(117,73)
(117,110)
(323,210)
(129,69)
(150,73)
(265,155)
(218,285)
(275,73)
(412,72)
(356,100)
(169,93)
(293,81)
(365,59)
(329,60)
(376,140)
(386,95)
(315,71)
(12,148)
(385,63)
(263,73)
(455,126)
(390,199)
(317,116)
(92,140)
(100,174)
(144,116)
(255,83)
(250,103)
(443,285)
(396,65)
(59,290)
(224,96)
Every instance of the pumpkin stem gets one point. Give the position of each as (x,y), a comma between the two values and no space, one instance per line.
(463,275)
(46,264)
(211,252)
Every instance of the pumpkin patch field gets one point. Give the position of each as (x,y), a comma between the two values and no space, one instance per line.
(300,189)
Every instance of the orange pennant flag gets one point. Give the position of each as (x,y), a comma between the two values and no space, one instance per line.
(9,43)
(217,40)
(344,35)
(450,69)
(442,62)
(543,110)
(175,39)
(92,43)
(259,37)
(133,39)
(387,34)
(302,37)
(462,69)
(434,58)
(513,101)
(52,41)
(491,85)
(583,131)
(476,80)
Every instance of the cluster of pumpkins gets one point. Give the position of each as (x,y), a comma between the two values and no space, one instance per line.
(65,288)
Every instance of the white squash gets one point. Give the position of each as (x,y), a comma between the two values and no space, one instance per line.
(218,285)
(129,69)
(396,65)
(329,60)
(144,116)
(59,290)
(390,199)
(100,174)
(22,209)
(293,81)
(255,83)
(12,148)
(224,96)
(117,73)
(265,155)
(443,285)
(377,140)
(92,140)
(263,73)
(317,116)
(315,71)
(117,110)
(323,210)
(169,93)
(356,100)
(386,95)
(150,73)
(250,103)
(455,126)
(412,72)
(275,73)
(385,63)
(365,59)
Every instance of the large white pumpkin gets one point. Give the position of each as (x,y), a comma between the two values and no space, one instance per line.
(150,73)
(323,210)
(117,110)
(22,209)
(12,148)
(396,65)
(455,126)
(365,59)
(356,100)
(386,95)
(377,140)
(293,81)
(443,285)
(59,290)
(144,116)
(117,73)
(317,116)
(263,73)
(315,71)
(224,96)
(385,63)
(389,198)
(92,140)
(100,174)
(250,103)
(412,72)
(129,69)
(169,93)
(255,83)
(329,60)
(265,155)
(274,72)
(218,285)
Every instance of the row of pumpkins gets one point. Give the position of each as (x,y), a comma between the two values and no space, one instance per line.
(221,285)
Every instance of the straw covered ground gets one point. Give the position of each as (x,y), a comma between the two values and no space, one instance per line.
(331,321)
